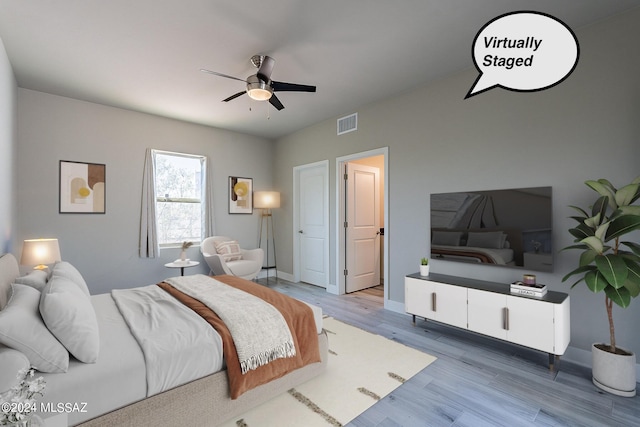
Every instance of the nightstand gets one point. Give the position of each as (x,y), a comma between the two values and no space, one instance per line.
(181,265)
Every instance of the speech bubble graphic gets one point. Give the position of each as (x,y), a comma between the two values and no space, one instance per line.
(524,51)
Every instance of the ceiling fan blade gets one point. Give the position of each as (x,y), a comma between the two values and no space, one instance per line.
(276,102)
(232,97)
(291,87)
(266,67)
(221,75)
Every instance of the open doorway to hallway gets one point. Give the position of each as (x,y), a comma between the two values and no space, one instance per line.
(362,223)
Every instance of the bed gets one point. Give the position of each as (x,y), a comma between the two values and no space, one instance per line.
(110,381)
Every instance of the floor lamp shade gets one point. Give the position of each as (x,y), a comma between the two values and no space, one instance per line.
(266,199)
(39,252)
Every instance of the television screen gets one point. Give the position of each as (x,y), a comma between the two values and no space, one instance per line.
(508,228)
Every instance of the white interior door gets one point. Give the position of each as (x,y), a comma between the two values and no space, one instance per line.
(313,229)
(362,228)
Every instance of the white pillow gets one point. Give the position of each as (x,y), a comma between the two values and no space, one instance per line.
(22,329)
(230,250)
(11,361)
(64,269)
(35,278)
(69,315)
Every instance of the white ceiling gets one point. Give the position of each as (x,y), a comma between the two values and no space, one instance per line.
(145,55)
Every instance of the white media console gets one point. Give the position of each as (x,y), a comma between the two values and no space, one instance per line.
(488,308)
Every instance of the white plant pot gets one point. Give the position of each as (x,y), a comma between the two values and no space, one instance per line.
(614,373)
(424,270)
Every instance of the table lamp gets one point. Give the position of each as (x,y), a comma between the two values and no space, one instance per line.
(40,252)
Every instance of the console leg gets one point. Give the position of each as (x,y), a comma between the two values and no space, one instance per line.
(553,360)
(414,320)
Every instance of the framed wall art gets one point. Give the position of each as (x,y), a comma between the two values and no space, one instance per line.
(240,195)
(82,187)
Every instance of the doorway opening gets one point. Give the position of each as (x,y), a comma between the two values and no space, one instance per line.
(362,222)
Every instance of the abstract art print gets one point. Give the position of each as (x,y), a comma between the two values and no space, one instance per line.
(240,195)
(82,187)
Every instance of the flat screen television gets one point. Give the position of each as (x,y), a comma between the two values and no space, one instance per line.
(506,228)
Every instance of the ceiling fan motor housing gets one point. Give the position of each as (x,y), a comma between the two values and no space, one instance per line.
(258,89)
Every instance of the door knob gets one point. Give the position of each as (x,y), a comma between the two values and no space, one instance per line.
(300,231)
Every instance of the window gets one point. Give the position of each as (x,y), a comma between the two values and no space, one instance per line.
(179,197)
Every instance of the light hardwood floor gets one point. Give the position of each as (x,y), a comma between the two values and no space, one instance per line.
(476,381)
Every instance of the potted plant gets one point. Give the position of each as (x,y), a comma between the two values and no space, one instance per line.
(424,267)
(183,250)
(610,265)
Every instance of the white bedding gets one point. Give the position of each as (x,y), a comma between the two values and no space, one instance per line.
(115,380)
(178,345)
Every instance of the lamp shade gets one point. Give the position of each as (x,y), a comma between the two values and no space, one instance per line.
(266,199)
(39,252)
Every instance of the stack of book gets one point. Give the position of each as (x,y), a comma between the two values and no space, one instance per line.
(533,290)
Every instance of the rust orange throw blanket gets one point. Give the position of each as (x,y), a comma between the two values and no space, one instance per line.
(297,314)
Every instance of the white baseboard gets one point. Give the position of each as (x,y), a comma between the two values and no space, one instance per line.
(394,306)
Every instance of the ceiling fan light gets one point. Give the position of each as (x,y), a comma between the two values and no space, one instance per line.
(258,90)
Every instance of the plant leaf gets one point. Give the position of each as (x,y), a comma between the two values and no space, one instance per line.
(594,243)
(625,195)
(605,188)
(579,270)
(595,281)
(593,222)
(632,287)
(629,210)
(582,211)
(582,231)
(621,296)
(599,208)
(633,274)
(576,282)
(602,231)
(587,257)
(622,225)
(613,268)
(635,248)
(607,184)
(579,246)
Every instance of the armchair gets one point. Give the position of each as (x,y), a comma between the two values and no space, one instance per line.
(247,267)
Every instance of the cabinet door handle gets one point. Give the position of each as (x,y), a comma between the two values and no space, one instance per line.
(433,301)
(505,318)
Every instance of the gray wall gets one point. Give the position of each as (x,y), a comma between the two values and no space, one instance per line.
(585,128)
(105,247)
(8,149)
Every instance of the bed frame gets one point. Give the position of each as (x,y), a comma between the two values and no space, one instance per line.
(203,401)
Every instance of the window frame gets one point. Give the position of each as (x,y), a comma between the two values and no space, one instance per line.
(200,201)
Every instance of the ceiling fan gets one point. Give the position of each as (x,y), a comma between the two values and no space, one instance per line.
(260,86)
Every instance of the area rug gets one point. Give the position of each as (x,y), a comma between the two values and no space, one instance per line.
(362,369)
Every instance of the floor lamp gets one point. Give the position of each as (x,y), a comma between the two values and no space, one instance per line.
(267,200)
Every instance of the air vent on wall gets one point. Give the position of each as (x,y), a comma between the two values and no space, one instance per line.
(348,123)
